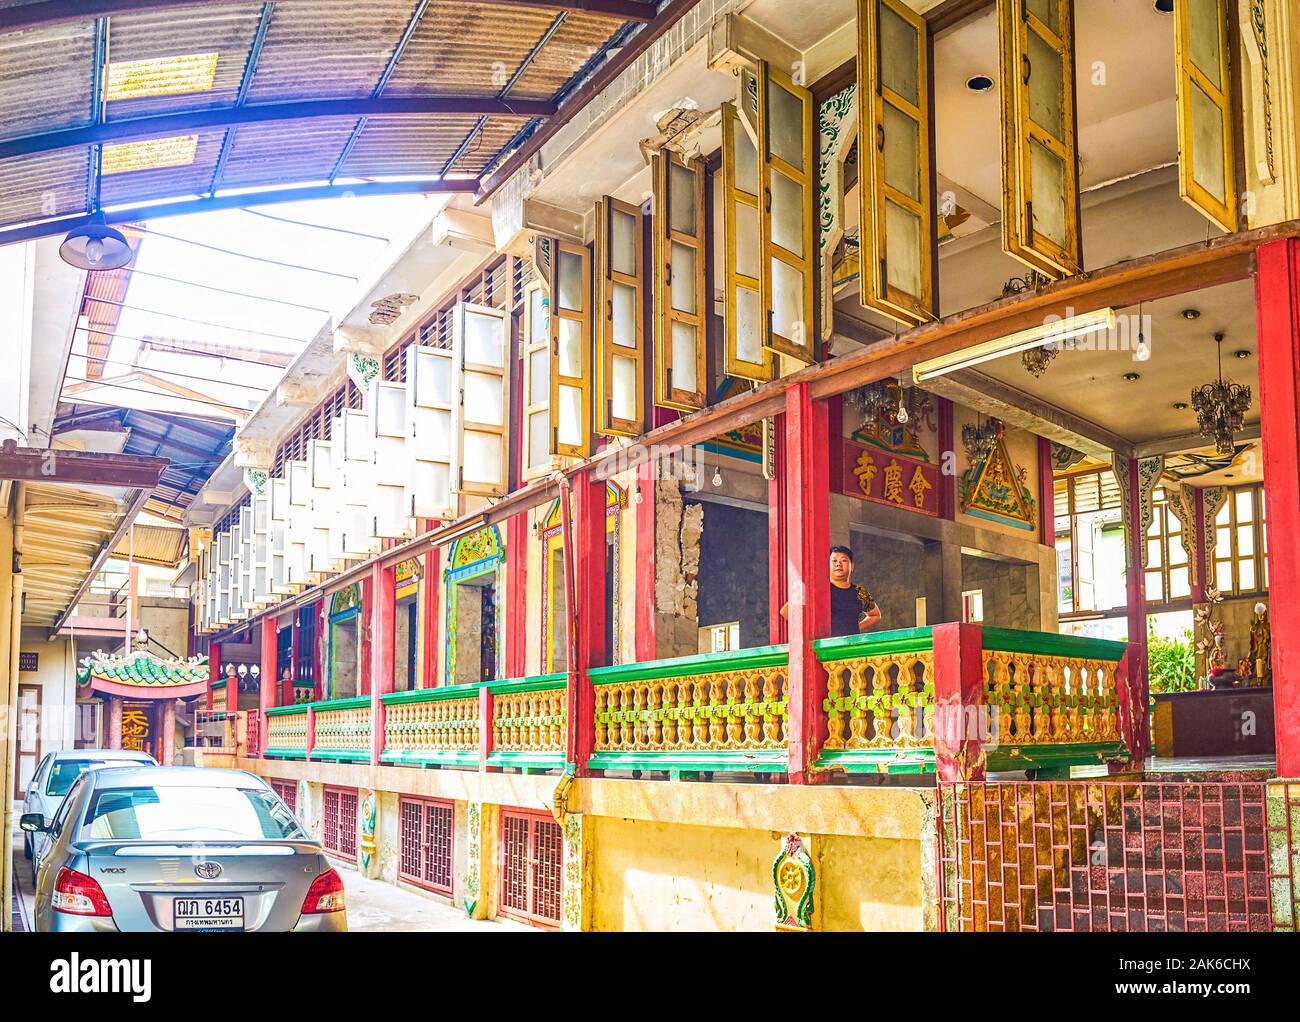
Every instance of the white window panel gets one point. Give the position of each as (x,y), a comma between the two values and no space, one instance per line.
(481,343)
(430,423)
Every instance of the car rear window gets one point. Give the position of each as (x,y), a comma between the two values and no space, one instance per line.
(188,814)
(66,771)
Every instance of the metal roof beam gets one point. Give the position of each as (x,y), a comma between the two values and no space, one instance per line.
(79,468)
(54,12)
(245,82)
(168,125)
(269,196)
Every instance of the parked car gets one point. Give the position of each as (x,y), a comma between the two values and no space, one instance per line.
(54,777)
(181,848)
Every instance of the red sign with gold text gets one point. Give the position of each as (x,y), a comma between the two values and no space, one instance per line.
(873,474)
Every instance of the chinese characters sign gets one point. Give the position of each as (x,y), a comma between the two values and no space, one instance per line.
(135,727)
(893,479)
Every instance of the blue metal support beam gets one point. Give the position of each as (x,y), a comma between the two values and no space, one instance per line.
(245,83)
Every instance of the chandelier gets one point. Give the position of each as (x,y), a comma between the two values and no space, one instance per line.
(980,439)
(886,401)
(1036,360)
(1219,407)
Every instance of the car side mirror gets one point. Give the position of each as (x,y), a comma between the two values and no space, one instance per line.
(32,822)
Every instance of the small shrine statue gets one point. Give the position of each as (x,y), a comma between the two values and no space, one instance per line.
(1260,646)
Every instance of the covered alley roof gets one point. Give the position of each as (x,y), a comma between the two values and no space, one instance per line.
(117,104)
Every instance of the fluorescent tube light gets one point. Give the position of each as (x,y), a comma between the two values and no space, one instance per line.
(1056,332)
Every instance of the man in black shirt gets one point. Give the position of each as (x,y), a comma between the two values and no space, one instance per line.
(852,608)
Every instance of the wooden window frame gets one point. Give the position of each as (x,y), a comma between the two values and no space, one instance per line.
(1019,133)
(607,424)
(416,354)
(733,364)
(769,163)
(529,347)
(557,315)
(1159,531)
(1259,553)
(462,423)
(666,393)
(1188,78)
(874,291)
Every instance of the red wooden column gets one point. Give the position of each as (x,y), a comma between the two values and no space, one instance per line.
(585,525)
(1046,494)
(807,527)
(267,682)
(365,632)
(1277,327)
(432,590)
(382,608)
(214,668)
(167,739)
(114,726)
(516,619)
(644,615)
(286,684)
(959,729)
(777,590)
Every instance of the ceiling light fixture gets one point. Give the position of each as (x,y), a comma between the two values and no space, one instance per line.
(1165,7)
(1241,353)
(1191,314)
(1132,377)
(1220,406)
(979,83)
(95,246)
(1055,333)
(1180,406)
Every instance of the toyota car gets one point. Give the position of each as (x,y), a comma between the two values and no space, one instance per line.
(180,849)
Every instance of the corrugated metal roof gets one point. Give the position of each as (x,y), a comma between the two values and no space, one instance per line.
(312,50)
(152,544)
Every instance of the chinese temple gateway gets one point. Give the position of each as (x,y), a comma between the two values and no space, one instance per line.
(809,467)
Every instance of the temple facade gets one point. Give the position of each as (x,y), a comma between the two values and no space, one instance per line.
(530,550)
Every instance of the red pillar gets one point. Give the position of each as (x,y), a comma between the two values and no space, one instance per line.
(365,633)
(114,722)
(584,523)
(644,619)
(167,740)
(432,593)
(1136,582)
(1277,327)
(383,605)
(267,681)
(807,526)
(1046,494)
(777,590)
(959,701)
(516,619)
(214,668)
(484,727)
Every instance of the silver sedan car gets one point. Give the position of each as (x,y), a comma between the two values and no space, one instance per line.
(181,848)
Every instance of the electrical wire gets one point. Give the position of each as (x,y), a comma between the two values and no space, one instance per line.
(162,344)
(168,372)
(244,255)
(318,227)
(151,393)
(221,290)
(77,400)
(197,322)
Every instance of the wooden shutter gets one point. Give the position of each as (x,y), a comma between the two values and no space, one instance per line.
(1206,174)
(1040,177)
(785,130)
(620,333)
(535,420)
(481,342)
(681,303)
(744,355)
(570,369)
(430,418)
(896,201)
(392,463)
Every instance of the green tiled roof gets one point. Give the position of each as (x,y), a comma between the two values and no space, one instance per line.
(143,669)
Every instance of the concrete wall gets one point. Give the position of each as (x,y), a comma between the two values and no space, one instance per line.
(1011,591)
(56,676)
(658,855)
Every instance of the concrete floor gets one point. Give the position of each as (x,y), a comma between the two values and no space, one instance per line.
(372,905)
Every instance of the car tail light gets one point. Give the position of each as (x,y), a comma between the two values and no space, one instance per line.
(324,895)
(79,895)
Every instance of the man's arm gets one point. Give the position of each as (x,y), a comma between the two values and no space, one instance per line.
(869,618)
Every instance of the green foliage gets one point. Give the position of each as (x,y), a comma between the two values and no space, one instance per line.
(1171,663)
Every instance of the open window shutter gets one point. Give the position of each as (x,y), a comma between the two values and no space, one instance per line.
(744,355)
(430,417)
(785,119)
(1206,176)
(680,297)
(620,341)
(570,370)
(354,450)
(392,464)
(896,202)
(481,342)
(1040,178)
(299,527)
(536,418)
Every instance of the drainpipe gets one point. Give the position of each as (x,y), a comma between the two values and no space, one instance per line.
(9,691)
(571,611)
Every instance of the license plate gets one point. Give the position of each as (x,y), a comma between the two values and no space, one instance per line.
(207,913)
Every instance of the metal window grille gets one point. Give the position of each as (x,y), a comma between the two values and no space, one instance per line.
(1104,856)
(339,822)
(287,792)
(532,868)
(426,843)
